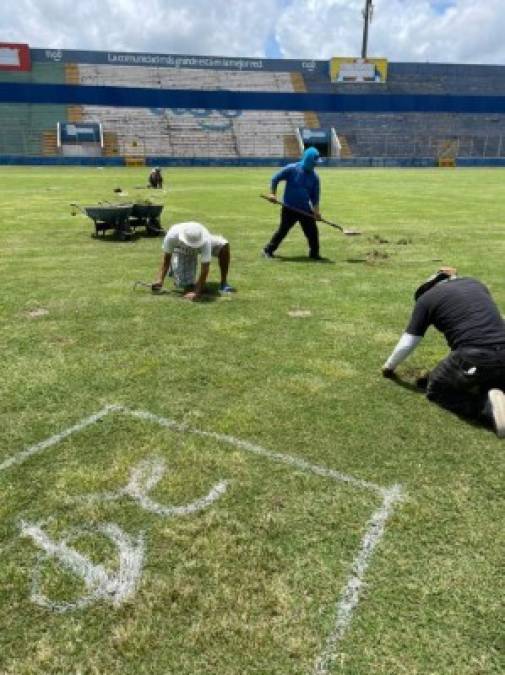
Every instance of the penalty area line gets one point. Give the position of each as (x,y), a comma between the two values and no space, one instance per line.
(290,460)
(349,597)
(20,457)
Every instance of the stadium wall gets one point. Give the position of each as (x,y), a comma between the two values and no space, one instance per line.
(384,162)
(356,162)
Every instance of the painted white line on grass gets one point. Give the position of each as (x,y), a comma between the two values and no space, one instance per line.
(143,478)
(176,426)
(20,457)
(295,462)
(350,595)
(147,475)
(101,584)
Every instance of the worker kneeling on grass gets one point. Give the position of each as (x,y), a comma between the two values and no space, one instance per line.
(155,179)
(470,381)
(181,246)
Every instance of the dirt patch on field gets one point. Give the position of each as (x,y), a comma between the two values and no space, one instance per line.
(36,313)
(299,313)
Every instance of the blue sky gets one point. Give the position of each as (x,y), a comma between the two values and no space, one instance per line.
(441,6)
(272,48)
(450,31)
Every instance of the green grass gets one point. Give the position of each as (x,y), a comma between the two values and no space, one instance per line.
(250,584)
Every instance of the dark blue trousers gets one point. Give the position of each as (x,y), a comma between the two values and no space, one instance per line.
(288,219)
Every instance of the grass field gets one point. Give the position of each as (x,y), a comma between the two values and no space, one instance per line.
(240,522)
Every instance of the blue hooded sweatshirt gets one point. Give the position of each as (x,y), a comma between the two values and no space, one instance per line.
(302,182)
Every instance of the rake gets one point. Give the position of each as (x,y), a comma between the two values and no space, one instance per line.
(349,233)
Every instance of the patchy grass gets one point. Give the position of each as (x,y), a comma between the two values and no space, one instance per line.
(291,363)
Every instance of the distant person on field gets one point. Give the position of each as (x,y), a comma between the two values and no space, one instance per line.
(470,381)
(301,193)
(181,247)
(155,178)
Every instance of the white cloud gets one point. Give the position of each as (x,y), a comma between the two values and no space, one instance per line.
(166,26)
(402,30)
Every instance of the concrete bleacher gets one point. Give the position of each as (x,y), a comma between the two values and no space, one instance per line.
(193,133)
(253,134)
(421,78)
(420,134)
(22,126)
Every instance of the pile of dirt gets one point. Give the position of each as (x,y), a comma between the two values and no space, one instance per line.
(375,255)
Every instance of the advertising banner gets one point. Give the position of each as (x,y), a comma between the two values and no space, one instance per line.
(14,56)
(80,132)
(178,61)
(349,69)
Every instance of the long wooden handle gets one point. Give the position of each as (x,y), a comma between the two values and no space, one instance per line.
(301,212)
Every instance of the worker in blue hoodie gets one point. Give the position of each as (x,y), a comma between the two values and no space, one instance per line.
(301,193)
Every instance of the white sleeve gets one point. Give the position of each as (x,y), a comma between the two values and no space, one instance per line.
(169,242)
(406,344)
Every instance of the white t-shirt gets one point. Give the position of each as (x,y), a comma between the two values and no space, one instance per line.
(172,241)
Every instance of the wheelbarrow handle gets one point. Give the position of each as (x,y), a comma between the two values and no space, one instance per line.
(79,208)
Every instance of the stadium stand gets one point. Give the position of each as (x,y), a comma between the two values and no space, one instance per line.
(186,133)
(29,129)
(135,134)
(420,134)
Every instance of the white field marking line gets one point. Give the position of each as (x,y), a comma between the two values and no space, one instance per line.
(350,595)
(20,457)
(143,478)
(148,474)
(296,462)
(113,587)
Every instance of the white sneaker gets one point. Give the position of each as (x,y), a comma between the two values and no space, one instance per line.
(496,399)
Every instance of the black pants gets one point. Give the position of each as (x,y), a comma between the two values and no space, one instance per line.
(309,227)
(461,381)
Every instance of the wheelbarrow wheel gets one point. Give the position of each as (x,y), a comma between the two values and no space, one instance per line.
(125,234)
(153,227)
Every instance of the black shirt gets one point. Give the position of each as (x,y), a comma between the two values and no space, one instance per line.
(463,310)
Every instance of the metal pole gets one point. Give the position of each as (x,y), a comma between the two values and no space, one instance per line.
(367,17)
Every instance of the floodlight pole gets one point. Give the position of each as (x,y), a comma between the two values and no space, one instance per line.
(367,18)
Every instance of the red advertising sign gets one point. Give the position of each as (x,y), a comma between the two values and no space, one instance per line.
(14,56)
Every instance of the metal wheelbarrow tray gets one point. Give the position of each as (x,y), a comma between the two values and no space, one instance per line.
(148,216)
(111,217)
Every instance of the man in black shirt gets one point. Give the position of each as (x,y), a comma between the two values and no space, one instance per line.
(470,381)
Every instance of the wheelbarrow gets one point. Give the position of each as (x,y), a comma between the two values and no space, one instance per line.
(109,217)
(148,216)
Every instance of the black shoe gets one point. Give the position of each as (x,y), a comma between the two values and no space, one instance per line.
(318,258)
(422,382)
(267,254)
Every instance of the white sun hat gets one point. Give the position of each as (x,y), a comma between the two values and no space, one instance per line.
(194,235)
